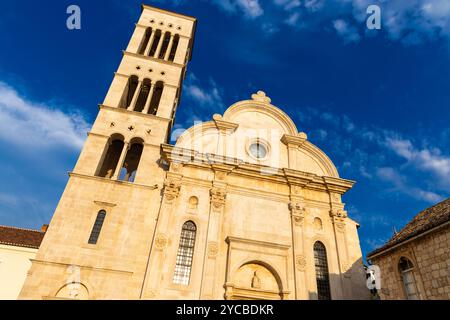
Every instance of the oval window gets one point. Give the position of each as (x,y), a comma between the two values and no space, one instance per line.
(258,150)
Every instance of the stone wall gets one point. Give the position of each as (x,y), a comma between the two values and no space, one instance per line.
(430,256)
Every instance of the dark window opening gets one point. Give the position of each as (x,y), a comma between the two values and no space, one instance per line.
(322,275)
(165,45)
(129,92)
(143,95)
(95,233)
(131,163)
(111,159)
(173,50)
(156,98)
(155,43)
(145,40)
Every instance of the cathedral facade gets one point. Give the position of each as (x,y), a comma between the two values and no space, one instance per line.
(240,207)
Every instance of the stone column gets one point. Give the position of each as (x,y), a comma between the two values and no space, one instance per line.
(149,98)
(210,267)
(160,43)
(298,213)
(338,217)
(169,47)
(158,259)
(119,165)
(149,44)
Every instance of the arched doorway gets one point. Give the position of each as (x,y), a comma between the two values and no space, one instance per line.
(255,281)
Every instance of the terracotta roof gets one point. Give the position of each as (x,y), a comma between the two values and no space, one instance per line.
(424,221)
(21,237)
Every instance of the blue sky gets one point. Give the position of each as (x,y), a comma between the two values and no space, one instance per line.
(376,101)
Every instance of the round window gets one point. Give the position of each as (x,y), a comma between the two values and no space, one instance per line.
(258,150)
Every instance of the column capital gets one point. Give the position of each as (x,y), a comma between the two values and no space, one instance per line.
(171,189)
(339,218)
(298,212)
(217,197)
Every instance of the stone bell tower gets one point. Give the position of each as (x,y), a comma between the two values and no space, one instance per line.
(100,237)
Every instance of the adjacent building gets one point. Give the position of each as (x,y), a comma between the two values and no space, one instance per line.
(17,247)
(242,207)
(415,263)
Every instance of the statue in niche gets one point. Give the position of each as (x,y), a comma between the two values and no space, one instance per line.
(193,203)
(256,282)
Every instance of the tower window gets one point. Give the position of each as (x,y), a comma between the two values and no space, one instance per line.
(185,254)
(173,50)
(95,233)
(144,43)
(322,275)
(165,45)
(131,163)
(143,95)
(129,92)
(156,98)
(111,157)
(156,39)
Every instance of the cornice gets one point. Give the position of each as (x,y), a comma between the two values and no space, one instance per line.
(141,56)
(116,182)
(259,243)
(133,113)
(47,262)
(170,13)
(256,171)
(223,125)
(163,29)
(299,140)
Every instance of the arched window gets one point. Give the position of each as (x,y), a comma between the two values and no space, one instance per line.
(155,42)
(143,95)
(156,97)
(145,39)
(185,254)
(131,163)
(173,50)
(111,158)
(130,90)
(322,276)
(165,45)
(406,268)
(95,233)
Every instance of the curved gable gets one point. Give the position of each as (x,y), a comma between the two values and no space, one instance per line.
(257,120)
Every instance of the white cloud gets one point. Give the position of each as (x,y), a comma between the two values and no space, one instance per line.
(292,20)
(9,199)
(348,32)
(288,4)
(399,184)
(430,160)
(381,155)
(375,243)
(410,22)
(35,125)
(250,8)
(210,96)
(314,5)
